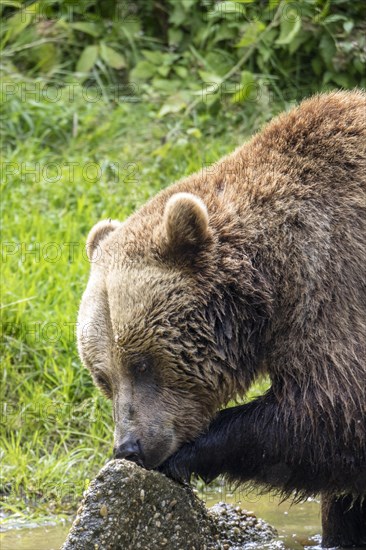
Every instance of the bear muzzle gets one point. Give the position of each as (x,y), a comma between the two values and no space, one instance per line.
(130,449)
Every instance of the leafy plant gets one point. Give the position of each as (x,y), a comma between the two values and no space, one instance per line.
(194,52)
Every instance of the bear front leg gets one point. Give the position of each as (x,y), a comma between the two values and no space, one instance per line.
(240,442)
(267,442)
(343,521)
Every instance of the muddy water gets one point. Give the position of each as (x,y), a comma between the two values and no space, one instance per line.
(38,538)
(298,526)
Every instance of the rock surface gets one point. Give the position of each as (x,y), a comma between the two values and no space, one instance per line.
(127,507)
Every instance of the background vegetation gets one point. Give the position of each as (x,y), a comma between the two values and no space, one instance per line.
(103,105)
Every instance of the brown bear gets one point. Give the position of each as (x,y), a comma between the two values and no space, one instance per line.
(254,267)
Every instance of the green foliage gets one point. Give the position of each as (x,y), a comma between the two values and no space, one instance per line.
(207,48)
(58,179)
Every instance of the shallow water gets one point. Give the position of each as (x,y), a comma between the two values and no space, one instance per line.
(38,538)
(298,525)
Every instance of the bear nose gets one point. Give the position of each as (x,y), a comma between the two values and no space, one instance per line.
(129,449)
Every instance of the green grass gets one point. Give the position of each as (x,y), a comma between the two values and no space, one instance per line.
(56,428)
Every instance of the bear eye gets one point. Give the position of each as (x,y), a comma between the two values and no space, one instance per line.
(142,366)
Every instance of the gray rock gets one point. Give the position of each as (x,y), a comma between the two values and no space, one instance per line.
(127,507)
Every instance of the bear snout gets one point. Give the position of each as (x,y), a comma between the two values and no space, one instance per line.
(130,449)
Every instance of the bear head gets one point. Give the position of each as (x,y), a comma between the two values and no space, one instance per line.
(148,327)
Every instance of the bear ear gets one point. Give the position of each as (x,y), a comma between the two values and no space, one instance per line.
(186,223)
(98,233)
